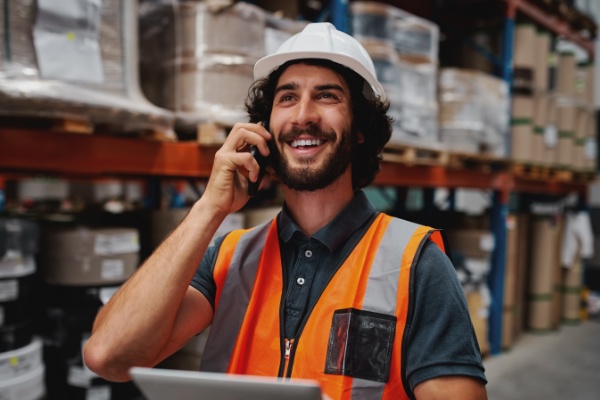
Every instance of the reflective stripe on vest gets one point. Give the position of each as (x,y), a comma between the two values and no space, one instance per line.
(381,297)
(234,289)
(245,337)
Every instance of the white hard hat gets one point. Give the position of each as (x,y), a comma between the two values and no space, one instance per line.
(322,40)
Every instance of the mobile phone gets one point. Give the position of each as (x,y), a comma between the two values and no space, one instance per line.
(262,161)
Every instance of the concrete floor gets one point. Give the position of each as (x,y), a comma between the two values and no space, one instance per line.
(555,366)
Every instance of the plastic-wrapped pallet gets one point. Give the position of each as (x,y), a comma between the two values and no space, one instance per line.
(404,50)
(96,74)
(415,39)
(473,114)
(278,30)
(415,83)
(411,90)
(413,125)
(204,56)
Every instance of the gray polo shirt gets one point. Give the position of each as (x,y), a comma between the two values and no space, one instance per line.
(441,339)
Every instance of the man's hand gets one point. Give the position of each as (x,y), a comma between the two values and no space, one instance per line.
(227,189)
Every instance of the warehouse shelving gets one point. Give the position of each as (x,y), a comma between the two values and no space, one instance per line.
(500,206)
(502,183)
(33,151)
(551,22)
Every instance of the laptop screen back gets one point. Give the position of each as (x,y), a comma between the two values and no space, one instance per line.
(163,384)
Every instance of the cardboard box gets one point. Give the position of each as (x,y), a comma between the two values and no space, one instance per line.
(89,257)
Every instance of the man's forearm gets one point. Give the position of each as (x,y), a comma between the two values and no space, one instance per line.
(141,318)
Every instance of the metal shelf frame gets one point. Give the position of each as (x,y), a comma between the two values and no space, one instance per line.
(27,151)
(502,183)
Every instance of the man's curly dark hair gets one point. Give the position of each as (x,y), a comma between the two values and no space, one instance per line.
(369,117)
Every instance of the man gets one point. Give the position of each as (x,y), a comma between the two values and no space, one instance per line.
(331,289)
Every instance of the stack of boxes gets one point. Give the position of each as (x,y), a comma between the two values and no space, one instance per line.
(575,104)
(544,273)
(404,49)
(514,269)
(21,364)
(204,76)
(473,247)
(197,58)
(82,267)
(553,122)
(524,61)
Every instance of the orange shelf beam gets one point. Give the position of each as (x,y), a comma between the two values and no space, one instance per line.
(548,187)
(25,150)
(29,151)
(439,176)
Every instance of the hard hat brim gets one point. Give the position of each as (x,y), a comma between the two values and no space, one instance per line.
(270,63)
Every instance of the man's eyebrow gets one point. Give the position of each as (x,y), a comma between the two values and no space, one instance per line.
(330,86)
(287,86)
(294,86)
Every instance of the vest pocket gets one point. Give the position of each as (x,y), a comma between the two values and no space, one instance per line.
(360,344)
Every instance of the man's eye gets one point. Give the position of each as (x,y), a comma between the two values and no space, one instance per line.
(328,95)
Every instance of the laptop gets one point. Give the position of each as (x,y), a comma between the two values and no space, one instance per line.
(166,384)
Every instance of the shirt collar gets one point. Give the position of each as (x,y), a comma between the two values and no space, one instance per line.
(336,232)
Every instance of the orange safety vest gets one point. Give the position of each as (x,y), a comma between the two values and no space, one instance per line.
(246,335)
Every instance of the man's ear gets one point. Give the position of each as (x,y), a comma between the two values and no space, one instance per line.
(360,138)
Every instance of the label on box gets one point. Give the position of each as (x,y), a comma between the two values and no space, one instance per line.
(20,362)
(71,29)
(550,136)
(511,222)
(106,293)
(79,377)
(9,290)
(486,242)
(98,393)
(590,148)
(112,269)
(121,243)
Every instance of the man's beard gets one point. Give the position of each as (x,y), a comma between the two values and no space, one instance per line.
(306,178)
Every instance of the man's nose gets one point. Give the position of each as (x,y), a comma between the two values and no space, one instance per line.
(306,113)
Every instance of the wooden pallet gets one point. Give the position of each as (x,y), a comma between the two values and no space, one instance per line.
(211,133)
(547,173)
(584,177)
(201,129)
(415,155)
(480,162)
(537,172)
(82,125)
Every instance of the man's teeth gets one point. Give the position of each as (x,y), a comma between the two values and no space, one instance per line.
(310,142)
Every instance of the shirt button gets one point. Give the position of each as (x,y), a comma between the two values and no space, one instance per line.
(300,281)
(308,253)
